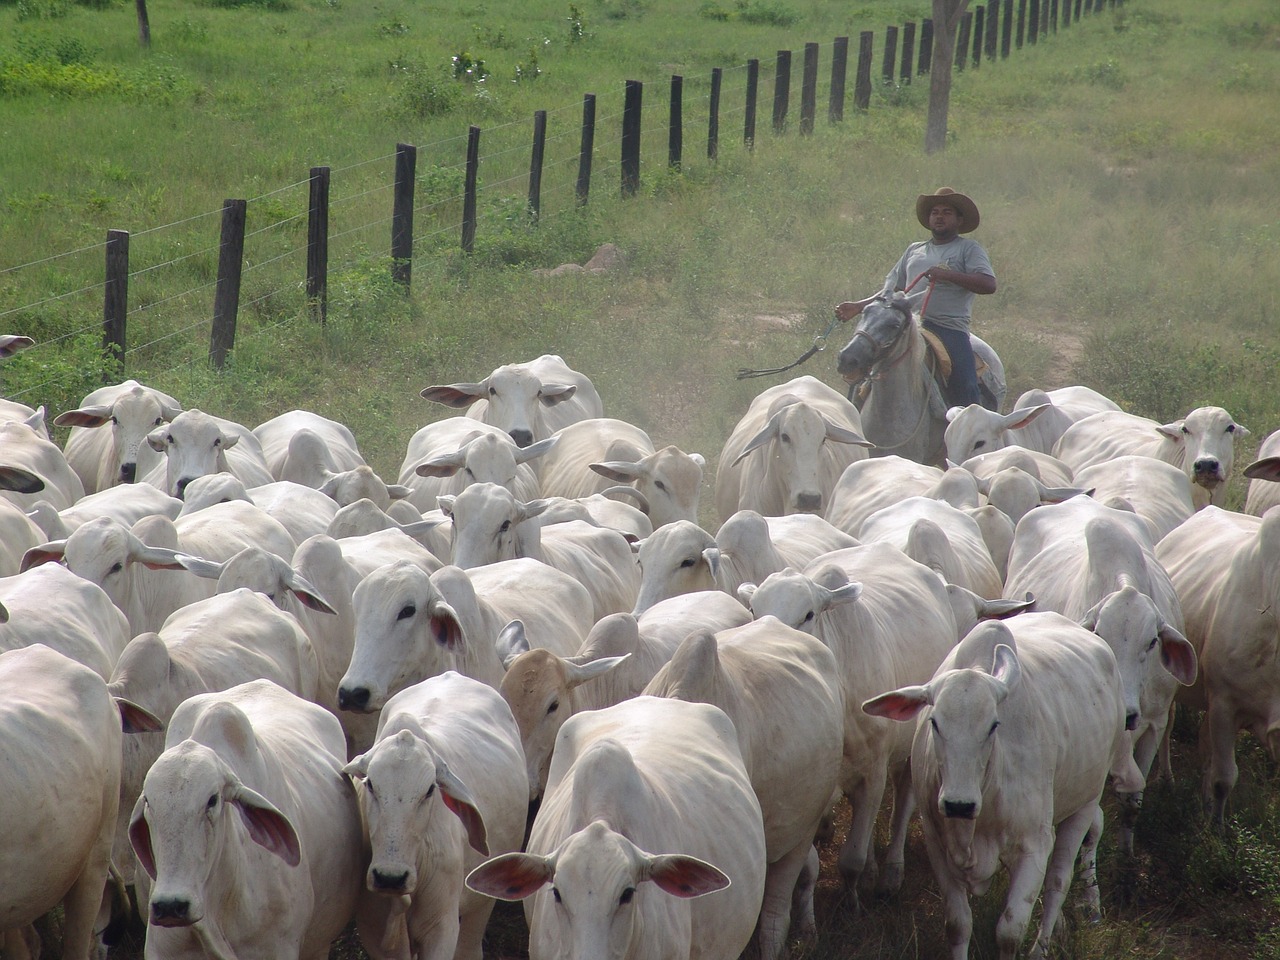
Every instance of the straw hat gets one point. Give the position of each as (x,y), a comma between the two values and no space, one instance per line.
(957,201)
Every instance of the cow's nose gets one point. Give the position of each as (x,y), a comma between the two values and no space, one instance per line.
(128,472)
(390,881)
(353,698)
(522,437)
(170,910)
(958,810)
(1207,465)
(809,502)
(182,487)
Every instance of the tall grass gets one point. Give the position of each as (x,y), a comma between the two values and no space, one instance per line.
(1125,168)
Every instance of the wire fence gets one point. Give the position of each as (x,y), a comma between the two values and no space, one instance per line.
(173,271)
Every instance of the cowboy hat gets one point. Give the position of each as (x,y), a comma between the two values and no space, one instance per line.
(967,209)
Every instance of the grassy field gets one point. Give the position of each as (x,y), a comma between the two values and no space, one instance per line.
(1124,166)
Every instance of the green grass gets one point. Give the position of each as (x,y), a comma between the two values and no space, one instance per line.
(1125,168)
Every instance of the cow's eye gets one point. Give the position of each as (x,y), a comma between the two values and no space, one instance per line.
(407,611)
(993,728)
(687,563)
(116,568)
(430,790)
(493,392)
(808,617)
(159,420)
(506,525)
(115,421)
(784,437)
(553,707)
(660,485)
(1231,428)
(213,802)
(627,894)
(980,444)
(555,893)
(1185,430)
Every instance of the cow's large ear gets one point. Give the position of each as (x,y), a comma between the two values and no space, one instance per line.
(136,719)
(267,826)
(140,837)
(685,877)
(456,395)
(458,798)
(512,876)
(1178,655)
(902,704)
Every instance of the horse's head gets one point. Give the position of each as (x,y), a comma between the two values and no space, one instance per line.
(880,327)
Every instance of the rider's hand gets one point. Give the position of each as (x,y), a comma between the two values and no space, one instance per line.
(848,310)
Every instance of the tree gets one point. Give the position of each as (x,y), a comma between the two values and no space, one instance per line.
(946,20)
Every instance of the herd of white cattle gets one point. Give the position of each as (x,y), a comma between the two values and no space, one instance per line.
(272,693)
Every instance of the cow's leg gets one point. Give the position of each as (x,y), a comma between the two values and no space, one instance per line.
(775,911)
(1221,773)
(1057,879)
(803,923)
(904,804)
(855,863)
(1089,867)
(471,932)
(1026,877)
(437,941)
(955,898)
(82,902)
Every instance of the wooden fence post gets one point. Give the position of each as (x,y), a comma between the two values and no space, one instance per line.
(890,58)
(226,300)
(115,302)
(469,189)
(1066,13)
(925,63)
(749,113)
(979,34)
(808,89)
(862,79)
(1033,22)
(839,72)
(1053,15)
(1044,18)
(993,29)
(1006,35)
(402,216)
(318,244)
(962,39)
(535,162)
(908,52)
(583,188)
(713,115)
(781,91)
(631,137)
(675,129)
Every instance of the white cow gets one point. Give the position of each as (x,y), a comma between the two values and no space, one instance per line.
(33,468)
(60,737)
(889,622)
(753,546)
(530,400)
(1015,492)
(1036,422)
(408,630)
(943,538)
(247,831)
(489,525)
(781,689)
(364,519)
(104,458)
(609,509)
(591,455)
(649,843)
(442,787)
(1223,566)
(869,485)
(139,567)
(18,534)
(303,511)
(126,502)
(195,444)
(317,452)
(1264,477)
(209,645)
(1157,491)
(1015,735)
(619,656)
(1201,444)
(51,605)
(447,456)
(1094,565)
(676,559)
(788,450)
(1045,467)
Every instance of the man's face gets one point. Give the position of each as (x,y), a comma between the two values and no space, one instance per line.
(944,219)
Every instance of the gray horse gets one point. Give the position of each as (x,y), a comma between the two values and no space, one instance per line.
(893,375)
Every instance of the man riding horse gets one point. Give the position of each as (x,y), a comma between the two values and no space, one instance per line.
(940,277)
